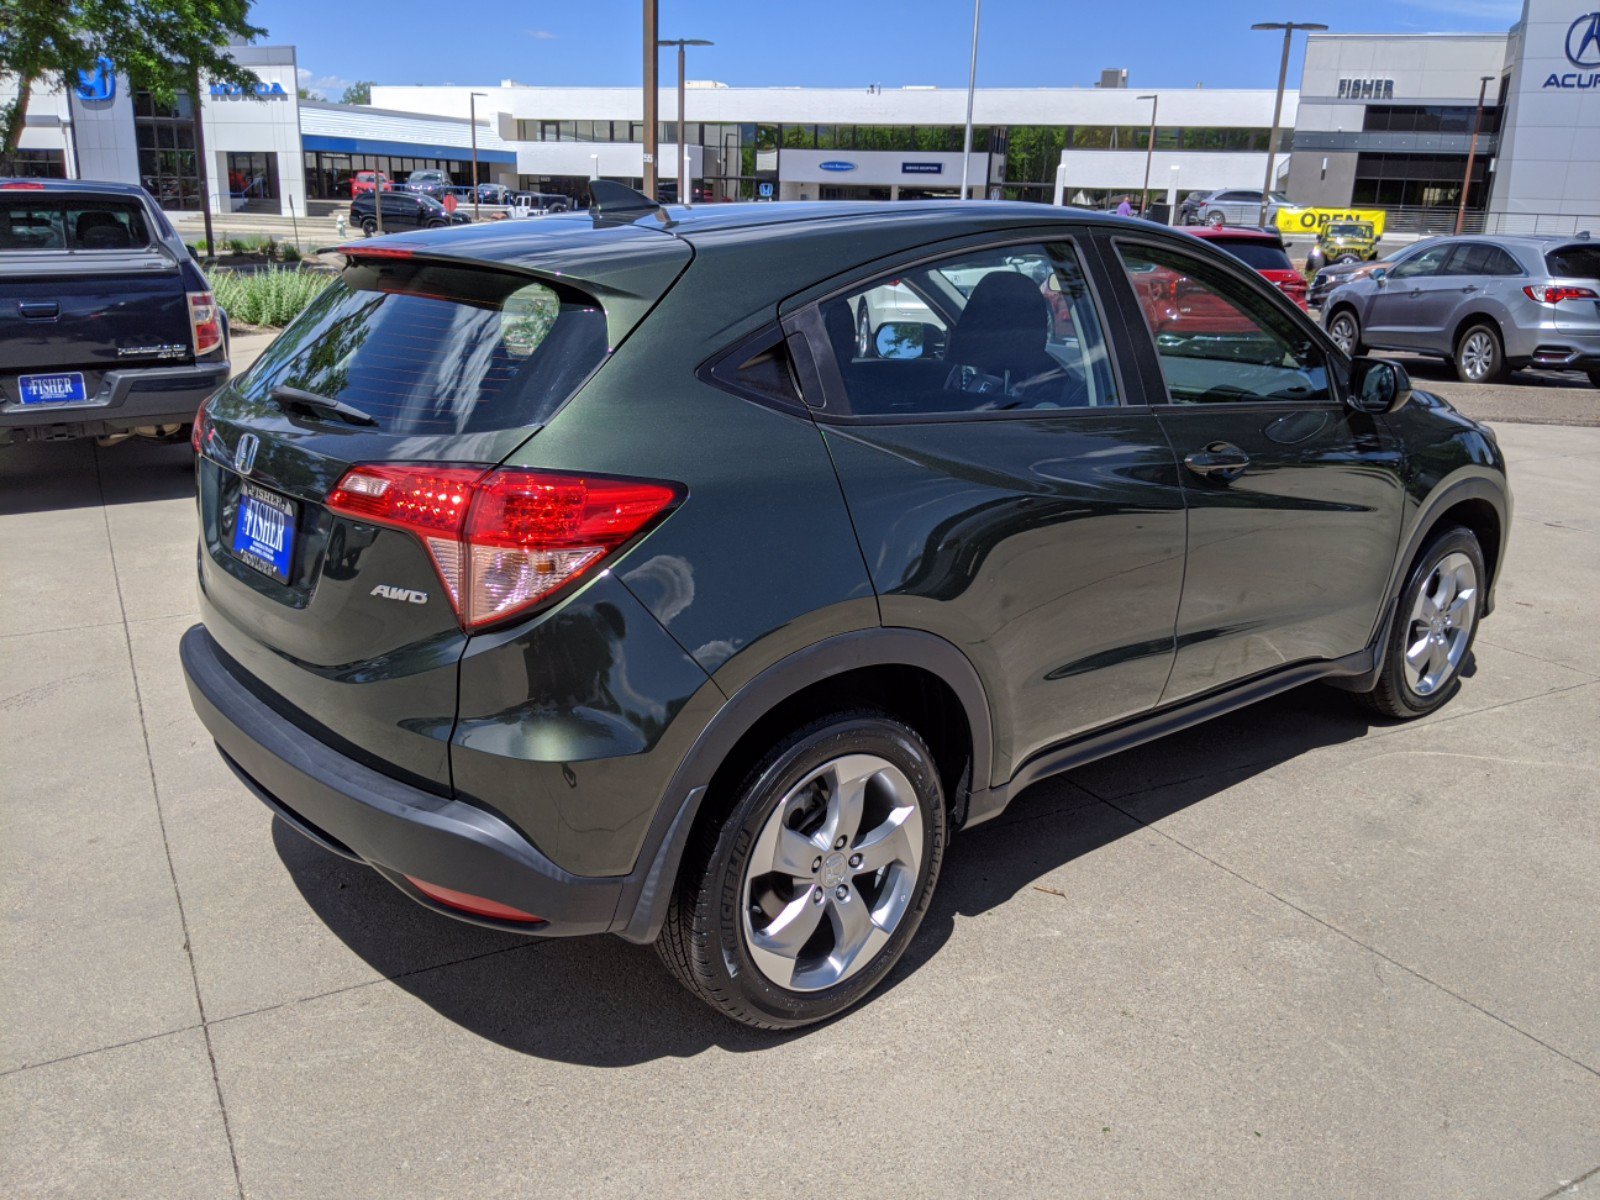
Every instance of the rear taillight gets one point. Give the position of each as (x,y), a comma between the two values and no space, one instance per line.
(200,431)
(1555,293)
(21,185)
(503,540)
(205,322)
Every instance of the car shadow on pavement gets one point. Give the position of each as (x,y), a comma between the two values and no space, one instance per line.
(54,476)
(607,1003)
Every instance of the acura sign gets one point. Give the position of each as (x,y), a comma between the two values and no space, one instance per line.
(1583,50)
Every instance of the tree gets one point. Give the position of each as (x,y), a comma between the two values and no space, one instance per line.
(359,92)
(308,94)
(163,46)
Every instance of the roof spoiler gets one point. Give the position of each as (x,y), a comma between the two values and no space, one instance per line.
(614,202)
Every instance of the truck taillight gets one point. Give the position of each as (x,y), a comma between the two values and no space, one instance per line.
(1555,293)
(205,322)
(503,540)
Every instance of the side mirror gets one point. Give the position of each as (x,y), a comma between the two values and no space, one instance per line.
(903,339)
(1380,274)
(1378,385)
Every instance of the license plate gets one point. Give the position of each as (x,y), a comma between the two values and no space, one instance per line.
(263,534)
(65,387)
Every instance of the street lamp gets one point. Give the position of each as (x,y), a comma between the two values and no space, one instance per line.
(1472,153)
(472,110)
(683,146)
(1288,28)
(1149,152)
(972,84)
(652,98)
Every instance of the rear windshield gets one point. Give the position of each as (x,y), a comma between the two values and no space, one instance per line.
(54,223)
(1262,256)
(1582,262)
(430,349)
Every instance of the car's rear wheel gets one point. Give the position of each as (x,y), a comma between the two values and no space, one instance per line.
(369,227)
(802,900)
(1479,357)
(1345,331)
(1434,625)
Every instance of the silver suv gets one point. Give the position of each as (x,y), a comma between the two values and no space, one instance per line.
(1239,206)
(1488,305)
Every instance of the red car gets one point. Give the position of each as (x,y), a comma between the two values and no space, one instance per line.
(364,181)
(1261,249)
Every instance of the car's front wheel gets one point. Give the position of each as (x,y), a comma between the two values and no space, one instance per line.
(802,900)
(1345,331)
(369,227)
(1434,625)
(1594,378)
(1479,357)
(1216,220)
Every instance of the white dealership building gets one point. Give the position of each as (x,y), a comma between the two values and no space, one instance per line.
(1379,121)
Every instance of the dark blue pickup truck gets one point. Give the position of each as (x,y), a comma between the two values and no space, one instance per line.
(107,325)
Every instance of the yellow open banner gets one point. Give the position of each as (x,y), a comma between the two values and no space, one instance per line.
(1311,220)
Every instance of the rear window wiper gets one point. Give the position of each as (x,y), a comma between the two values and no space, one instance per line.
(293,399)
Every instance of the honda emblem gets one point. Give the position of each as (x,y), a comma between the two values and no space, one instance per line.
(244,454)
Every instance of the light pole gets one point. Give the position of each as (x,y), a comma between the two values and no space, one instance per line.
(472,110)
(1472,152)
(1288,28)
(683,146)
(972,84)
(1149,153)
(652,22)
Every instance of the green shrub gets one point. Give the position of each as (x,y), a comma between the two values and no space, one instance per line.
(289,252)
(271,297)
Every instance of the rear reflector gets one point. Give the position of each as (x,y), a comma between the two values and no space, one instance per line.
(1555,293)
(479,906)
(503,540)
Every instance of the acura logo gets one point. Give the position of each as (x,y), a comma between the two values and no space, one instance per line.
(1583,41)
(244,454)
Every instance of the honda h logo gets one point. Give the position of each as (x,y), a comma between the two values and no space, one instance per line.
(1583,41)
(244,454)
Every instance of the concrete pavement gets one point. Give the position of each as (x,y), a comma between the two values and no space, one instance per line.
(1291,953)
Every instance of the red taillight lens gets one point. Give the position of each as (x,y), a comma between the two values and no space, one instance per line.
(1552,293)
(200,431)
(503,540)
(205,321)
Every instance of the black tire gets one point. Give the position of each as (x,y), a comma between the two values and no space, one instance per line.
(437,224)
(1393,696)
(369,227)
(864,331)
(1480,356)
(1350,342)
(1594,378)
(704,943)
(1216,220)
(1346,259)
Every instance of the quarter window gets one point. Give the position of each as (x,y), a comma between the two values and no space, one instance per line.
(1217,339)
(1007,329)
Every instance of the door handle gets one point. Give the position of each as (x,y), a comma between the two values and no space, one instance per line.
(39,310)
(1219,460)
(1471,287)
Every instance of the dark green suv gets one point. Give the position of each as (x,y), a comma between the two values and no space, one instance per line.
(596,574)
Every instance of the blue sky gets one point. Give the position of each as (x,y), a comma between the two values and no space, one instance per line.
(832,43)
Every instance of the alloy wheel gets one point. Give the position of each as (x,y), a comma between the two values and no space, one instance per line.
(1441,624)
(1343,333)
(832,873)
(1478,353)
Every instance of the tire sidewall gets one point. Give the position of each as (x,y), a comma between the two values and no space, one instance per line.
(732,967)
(1345,315)
(1449,541)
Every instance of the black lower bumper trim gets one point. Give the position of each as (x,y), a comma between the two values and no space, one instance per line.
(400,830)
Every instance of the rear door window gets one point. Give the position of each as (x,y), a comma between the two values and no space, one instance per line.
(1574,262)
(427,348)
(1479,258)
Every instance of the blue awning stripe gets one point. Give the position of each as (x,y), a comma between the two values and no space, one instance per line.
(339,145)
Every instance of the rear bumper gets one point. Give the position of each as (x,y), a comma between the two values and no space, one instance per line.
(399,830)
(126,400)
